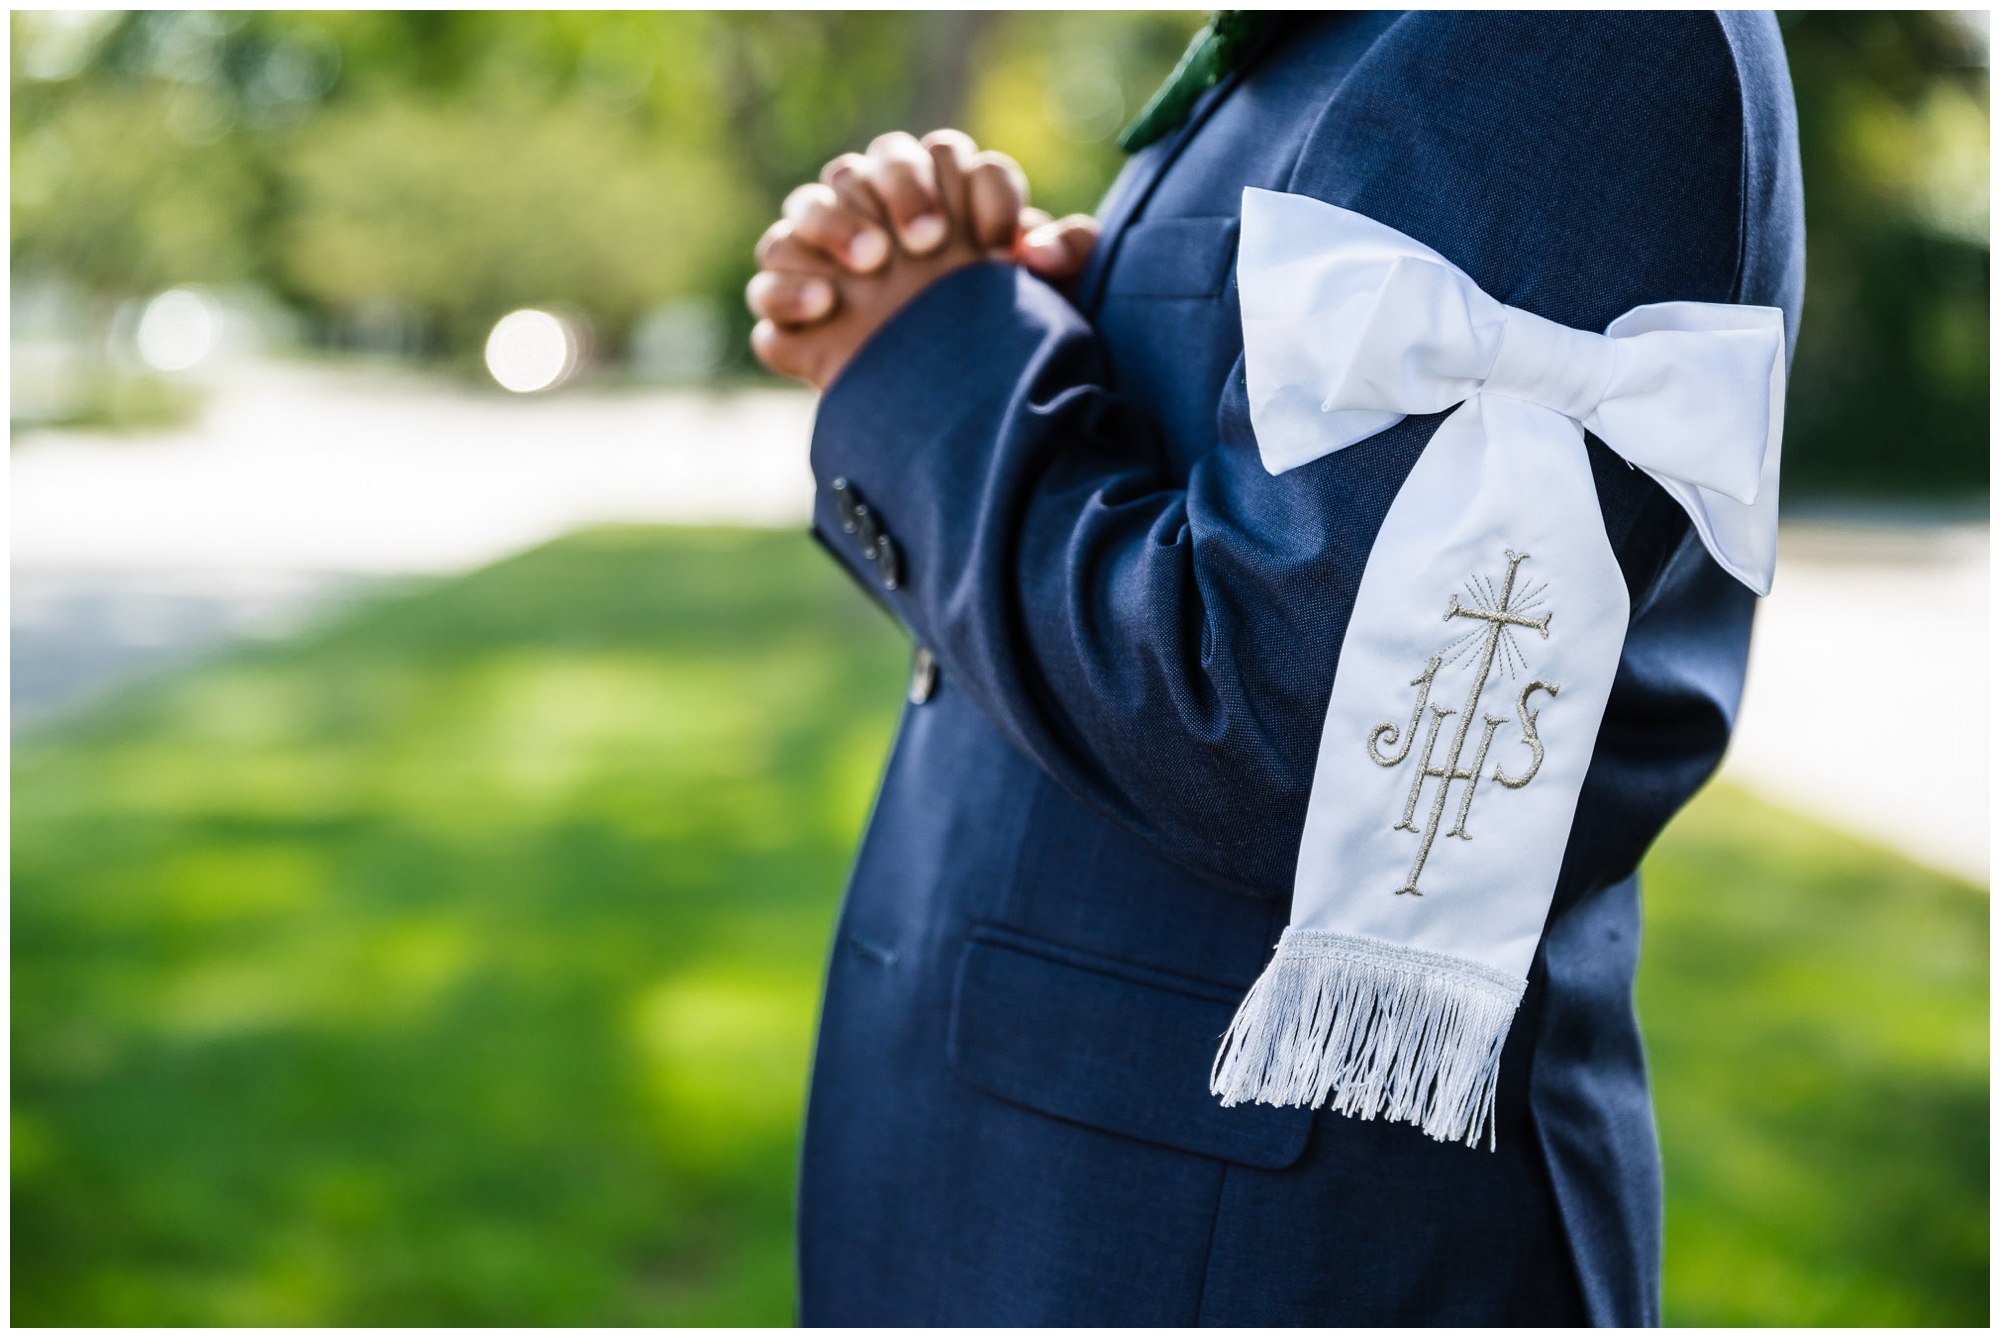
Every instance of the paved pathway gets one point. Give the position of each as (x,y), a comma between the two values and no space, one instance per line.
(307,481)
(1868,692)
(1866,704)
(311,468)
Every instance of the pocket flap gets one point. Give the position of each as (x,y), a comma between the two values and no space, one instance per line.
(1112,1046)
(1173,257)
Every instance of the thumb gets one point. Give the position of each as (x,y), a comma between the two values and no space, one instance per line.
(1058,251)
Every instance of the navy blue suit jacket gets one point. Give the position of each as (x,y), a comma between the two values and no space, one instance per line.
(1083,849)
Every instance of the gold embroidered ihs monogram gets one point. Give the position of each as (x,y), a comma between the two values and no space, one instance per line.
(1501,613)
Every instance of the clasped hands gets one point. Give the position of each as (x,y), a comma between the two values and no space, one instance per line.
(878,228)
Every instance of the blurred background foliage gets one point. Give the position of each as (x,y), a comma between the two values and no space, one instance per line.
(401,180)
(446,965)
(397,181)
(1889,389)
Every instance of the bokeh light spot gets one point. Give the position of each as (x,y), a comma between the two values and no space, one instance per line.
(530,350)
(179,329)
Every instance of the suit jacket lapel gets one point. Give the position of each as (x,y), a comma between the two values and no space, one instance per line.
(1128,195)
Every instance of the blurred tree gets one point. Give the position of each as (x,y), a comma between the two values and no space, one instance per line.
(403,178)
(373,185)
(147,147)
(1890,391)
(406,177)
(1055,90)
(111,189)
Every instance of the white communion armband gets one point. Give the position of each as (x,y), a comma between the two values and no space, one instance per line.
(1483,641)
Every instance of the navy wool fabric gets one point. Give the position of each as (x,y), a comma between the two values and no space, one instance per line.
(1083,849)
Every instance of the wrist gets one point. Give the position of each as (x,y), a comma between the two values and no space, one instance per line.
(881,338)
(869,303)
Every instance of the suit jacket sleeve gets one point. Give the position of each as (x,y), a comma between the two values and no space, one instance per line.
(1165,646)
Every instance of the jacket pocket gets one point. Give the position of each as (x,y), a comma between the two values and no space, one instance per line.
(1173,257)
(1108,1045)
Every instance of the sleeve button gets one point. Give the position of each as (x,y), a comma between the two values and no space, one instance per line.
(845,504)
(888,562)
(923,677)
(867,529)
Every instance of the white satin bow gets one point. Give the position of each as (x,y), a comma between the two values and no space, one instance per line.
(1349,325)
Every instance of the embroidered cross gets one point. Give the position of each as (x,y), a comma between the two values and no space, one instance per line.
(1500,613)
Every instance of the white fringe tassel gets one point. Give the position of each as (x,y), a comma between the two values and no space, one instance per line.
(1372,1028)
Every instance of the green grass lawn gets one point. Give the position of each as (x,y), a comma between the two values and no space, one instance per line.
(457,965)
(1816,1015)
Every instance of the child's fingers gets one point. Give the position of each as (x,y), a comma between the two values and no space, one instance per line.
(952,188)
(781,248)
(820,219)
(790,300)
(952,155)
(960,142)
(852,179)
(1059,251)
(905,180)
(844,174)
(1017,180)
(783,353)
(785,251)
(997,191)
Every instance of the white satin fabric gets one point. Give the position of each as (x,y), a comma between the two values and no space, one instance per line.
(1493,557)
(1348,325)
